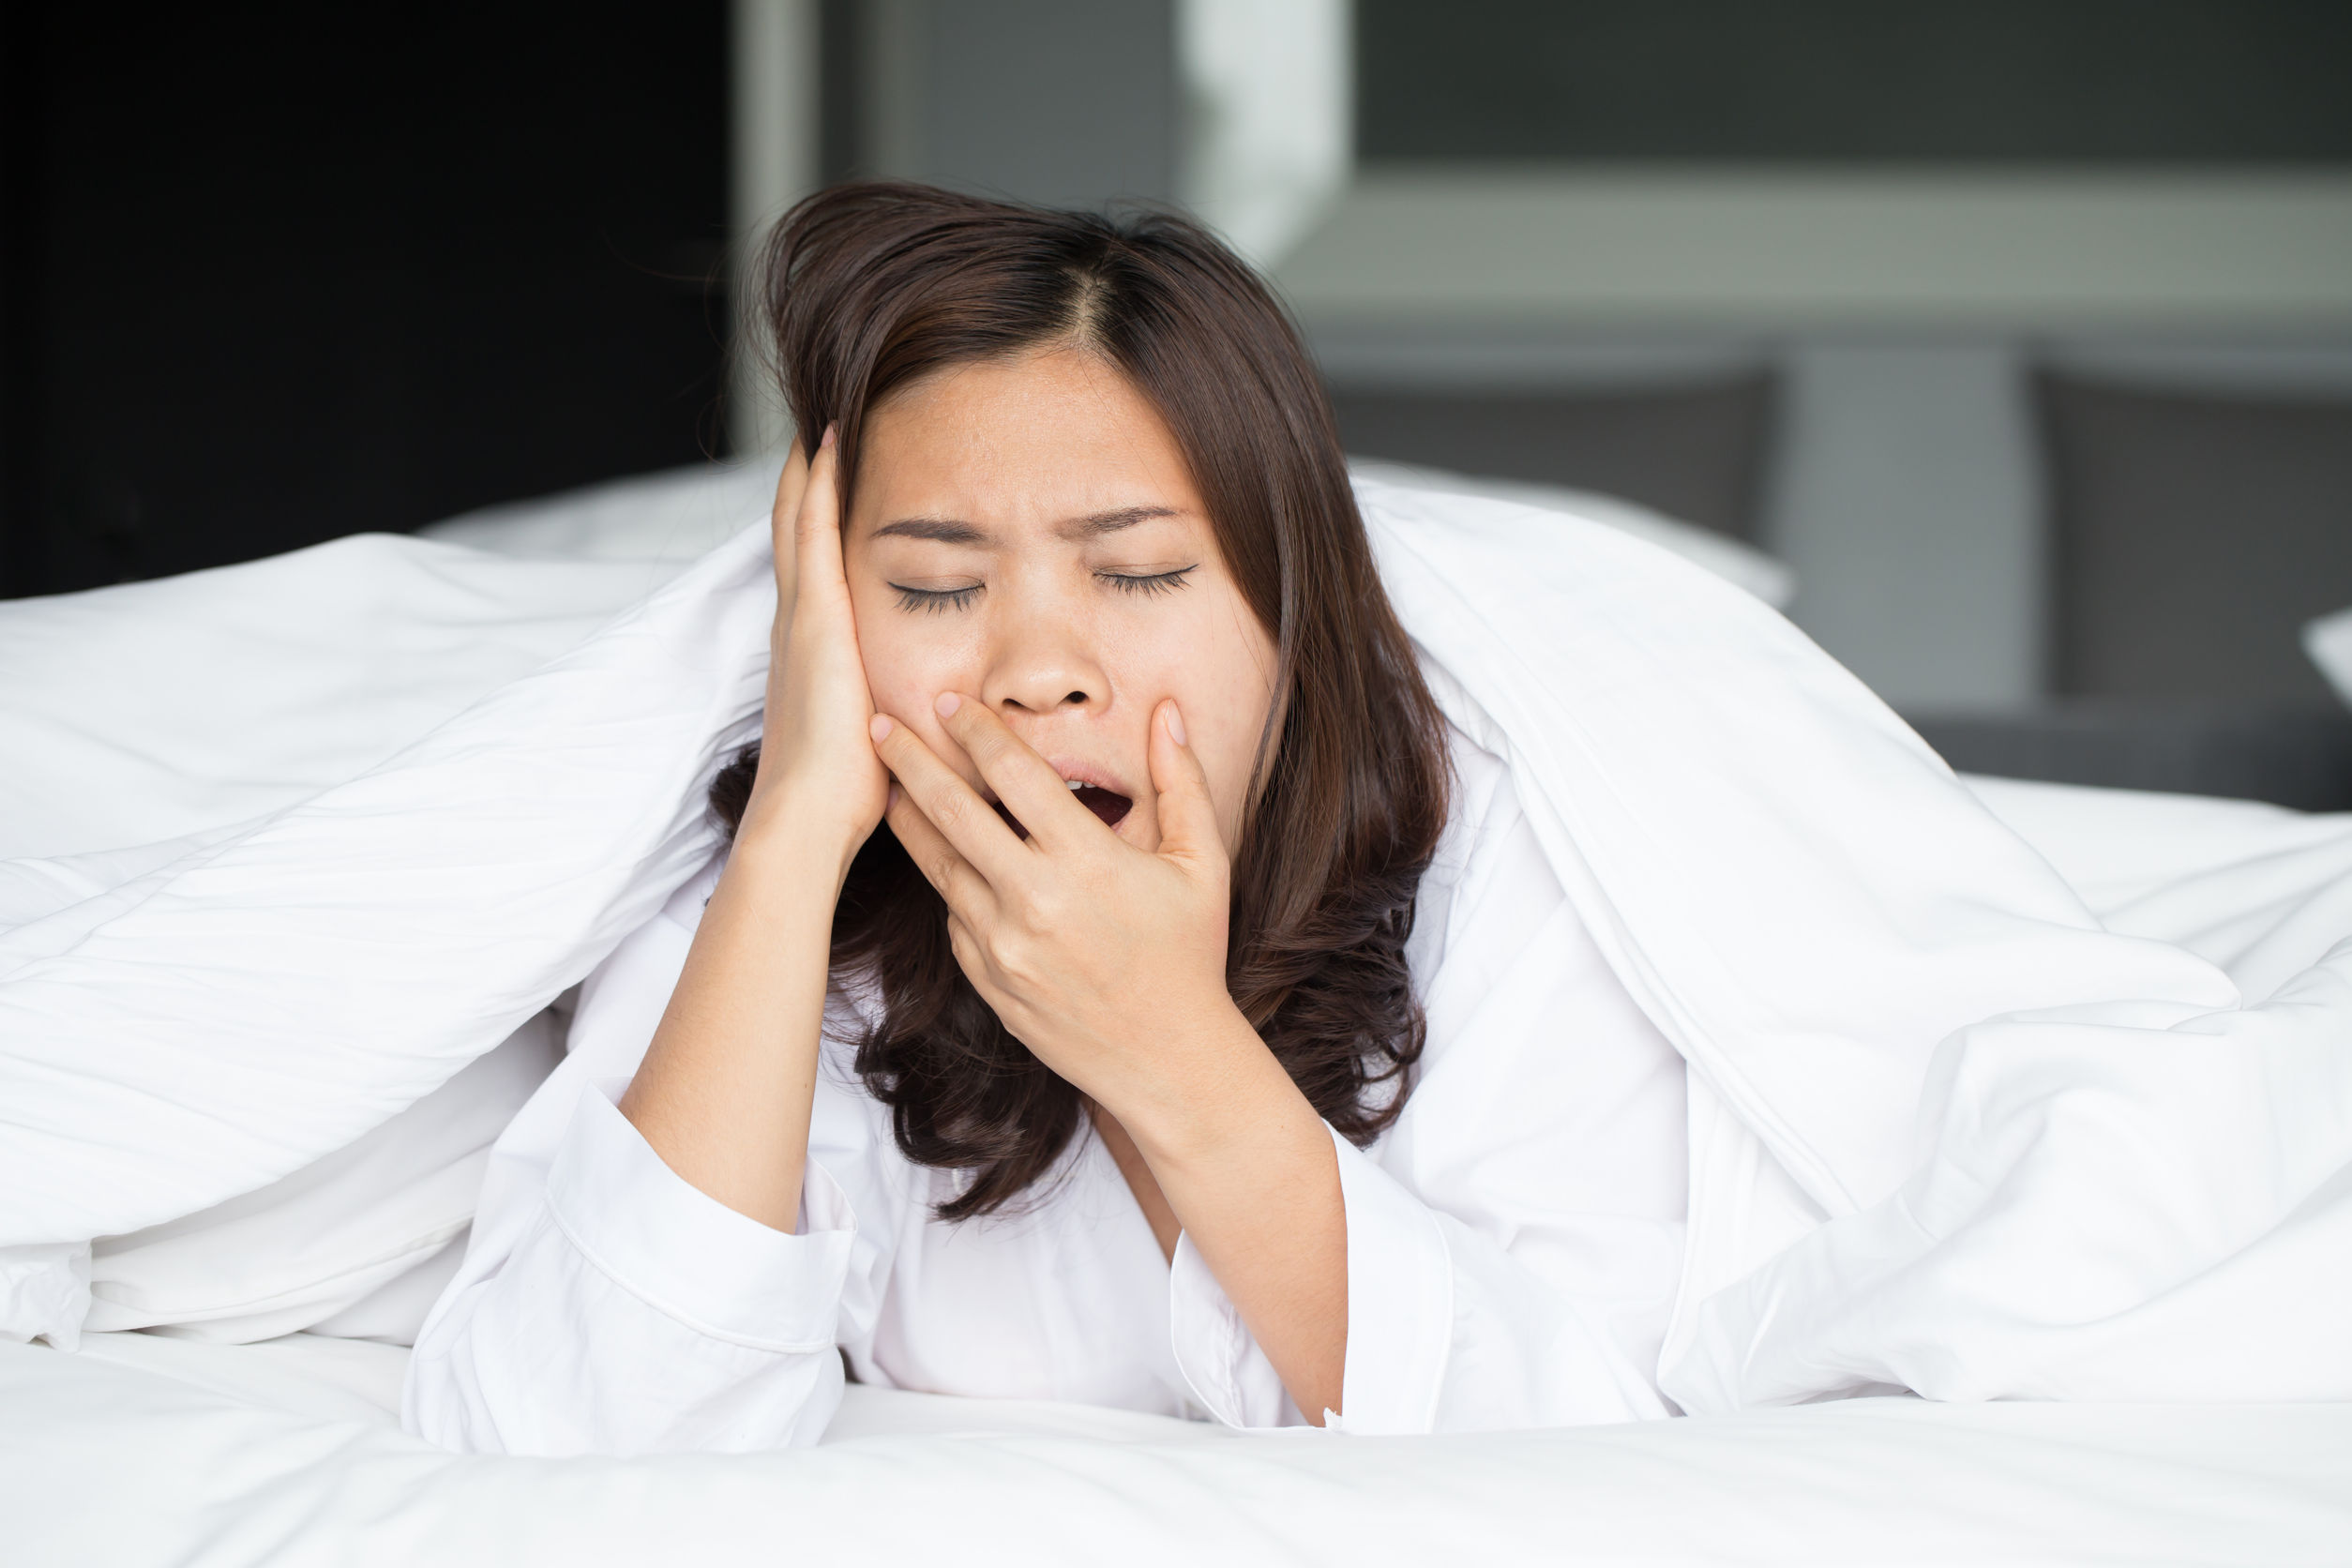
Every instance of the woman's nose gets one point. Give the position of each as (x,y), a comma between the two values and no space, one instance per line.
(1038,678)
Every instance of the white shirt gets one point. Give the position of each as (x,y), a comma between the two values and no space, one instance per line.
(1513,1241)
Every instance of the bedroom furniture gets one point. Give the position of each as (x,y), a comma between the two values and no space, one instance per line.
(2193,534)
(2298,758)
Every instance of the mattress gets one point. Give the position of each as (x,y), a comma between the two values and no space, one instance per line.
(142,1450)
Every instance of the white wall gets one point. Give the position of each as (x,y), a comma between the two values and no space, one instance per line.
(1698,248)
(1064,102)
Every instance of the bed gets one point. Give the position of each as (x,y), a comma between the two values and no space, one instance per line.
(156,1454)
(174,1447)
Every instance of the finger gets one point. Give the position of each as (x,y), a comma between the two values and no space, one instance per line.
(818,522)
(970,956)
(1024,781)
(953,807)
(1188,817)
(789,485)
(966,892)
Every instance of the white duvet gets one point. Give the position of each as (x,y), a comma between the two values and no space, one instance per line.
(287,846)
(1949,1133)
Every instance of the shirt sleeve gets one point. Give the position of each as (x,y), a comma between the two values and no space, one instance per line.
(1446,1331)
(1514,1238)
(607,1306)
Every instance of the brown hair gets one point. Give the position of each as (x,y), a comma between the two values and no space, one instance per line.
(870,287)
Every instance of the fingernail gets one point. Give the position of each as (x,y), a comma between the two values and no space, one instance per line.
(880,729)
(892,803)
(947,704)
(1175,724)
(827,439)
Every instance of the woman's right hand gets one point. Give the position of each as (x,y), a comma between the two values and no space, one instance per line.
(818,771)
(724,1092)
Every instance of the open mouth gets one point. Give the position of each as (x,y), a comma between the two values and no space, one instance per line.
(1108,805)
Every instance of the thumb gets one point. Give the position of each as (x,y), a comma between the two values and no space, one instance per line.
(1188,818)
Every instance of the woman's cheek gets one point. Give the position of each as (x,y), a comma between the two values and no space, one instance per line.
(1224,702)
(908,688)
(906,696)
(900,666)
(1224,745)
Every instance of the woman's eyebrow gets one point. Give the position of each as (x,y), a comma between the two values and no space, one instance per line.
(1099,523)
(945,530)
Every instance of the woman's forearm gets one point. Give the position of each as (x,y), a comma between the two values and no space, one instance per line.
(1249,1169)
(723,1094)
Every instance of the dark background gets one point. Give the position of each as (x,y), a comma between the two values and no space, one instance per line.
(271,278)
(266,278)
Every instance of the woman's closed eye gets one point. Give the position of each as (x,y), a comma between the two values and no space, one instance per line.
(1148,582)
(936,601)
(939,601)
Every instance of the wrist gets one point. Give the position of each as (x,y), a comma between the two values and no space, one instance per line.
(1220,1089)
(791,823)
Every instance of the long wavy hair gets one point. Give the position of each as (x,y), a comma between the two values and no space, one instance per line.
(869,288)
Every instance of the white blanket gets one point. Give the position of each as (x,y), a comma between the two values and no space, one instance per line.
(1948,1133)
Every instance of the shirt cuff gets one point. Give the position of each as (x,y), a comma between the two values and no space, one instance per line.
(1400,1318)
(688,1256)
(1215,1349)
(1401,1302)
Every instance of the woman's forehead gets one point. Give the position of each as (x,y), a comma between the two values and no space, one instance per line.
(1040,442)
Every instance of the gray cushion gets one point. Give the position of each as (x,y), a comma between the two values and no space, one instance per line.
(1694,453)
(2302,760)
(2192,536)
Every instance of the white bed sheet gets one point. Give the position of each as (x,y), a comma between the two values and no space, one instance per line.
(158,1453)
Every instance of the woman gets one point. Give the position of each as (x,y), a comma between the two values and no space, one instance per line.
(1148,1058)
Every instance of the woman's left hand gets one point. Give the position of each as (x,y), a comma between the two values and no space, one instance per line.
(1109,962)
(1106,960)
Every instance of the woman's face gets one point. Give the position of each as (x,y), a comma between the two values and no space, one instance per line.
(1027,533)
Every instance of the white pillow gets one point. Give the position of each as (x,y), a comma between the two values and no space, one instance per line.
(679,514)
(1767,578)
(2329,642)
